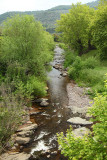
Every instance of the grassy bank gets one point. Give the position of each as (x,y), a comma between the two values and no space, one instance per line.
(87,70)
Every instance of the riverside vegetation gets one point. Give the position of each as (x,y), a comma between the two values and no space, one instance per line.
(84,33)
(25,52)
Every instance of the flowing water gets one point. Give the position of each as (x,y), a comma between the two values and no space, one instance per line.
(52,119)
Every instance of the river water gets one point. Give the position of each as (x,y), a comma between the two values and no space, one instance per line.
(52,119)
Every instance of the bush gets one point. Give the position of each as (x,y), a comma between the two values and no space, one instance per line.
(36,87)
(93,146)
(10,114)
(69,58)
(90,62)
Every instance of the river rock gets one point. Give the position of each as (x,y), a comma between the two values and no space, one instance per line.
(64,74)
(25,133)
(22,141)
(35,113)
(78,110)
(80,132)
(28,128)
(78,120)
(15,156)
(44,104)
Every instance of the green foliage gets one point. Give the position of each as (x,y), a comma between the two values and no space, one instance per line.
(99,30)
(26,50)
(81,67)
(69,58)
(24,45)
(10,114)
(93,146)
(75,27)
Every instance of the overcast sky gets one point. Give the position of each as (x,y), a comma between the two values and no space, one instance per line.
(33,5)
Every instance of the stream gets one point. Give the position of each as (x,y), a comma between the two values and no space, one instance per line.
(52,119)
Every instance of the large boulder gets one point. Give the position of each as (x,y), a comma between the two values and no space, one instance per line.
(23,141)
(26,133)
(28,128)
(79,121)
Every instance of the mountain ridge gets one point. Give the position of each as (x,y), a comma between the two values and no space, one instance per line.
(46,17)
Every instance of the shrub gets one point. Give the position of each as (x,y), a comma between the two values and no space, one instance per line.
(10,114)
(69,58)
(90,62)
(36,86)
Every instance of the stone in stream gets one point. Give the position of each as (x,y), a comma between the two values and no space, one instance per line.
(35,113)
(27,128)
(78,120)
(25,133)
(80,132)
(15,156)
(23,141)
(44,104)
(39,100)
(64,74)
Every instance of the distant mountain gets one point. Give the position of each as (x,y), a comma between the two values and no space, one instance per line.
(47,18)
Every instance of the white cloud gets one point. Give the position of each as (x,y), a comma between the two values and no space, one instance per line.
(32,5)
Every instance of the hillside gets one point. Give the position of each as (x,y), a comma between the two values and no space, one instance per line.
(47,18)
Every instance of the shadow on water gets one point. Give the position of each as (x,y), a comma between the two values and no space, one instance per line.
(53,118)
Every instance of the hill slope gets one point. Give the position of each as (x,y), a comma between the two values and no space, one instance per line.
(47,18)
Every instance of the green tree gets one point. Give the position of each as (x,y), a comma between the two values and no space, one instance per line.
(26,50)
(75,27)
(99,30)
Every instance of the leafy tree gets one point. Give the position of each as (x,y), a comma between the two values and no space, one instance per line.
(75,27)
(26,49)
(99,30)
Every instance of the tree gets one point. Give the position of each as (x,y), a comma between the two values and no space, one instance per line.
(99,30)
(24,40)
(26,50)
(75,27)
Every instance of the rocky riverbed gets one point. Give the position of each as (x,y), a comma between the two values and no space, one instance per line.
(65,105)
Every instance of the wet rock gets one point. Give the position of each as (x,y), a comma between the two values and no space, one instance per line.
(47,151)
(15,156)
(48,156)
(58,66)
(64,74)
(35,113)
(79,121)
(80,132)
(25,133)
(44,104)
(22,141)
(27,128)
(54,152)
(40,100)
(13,148)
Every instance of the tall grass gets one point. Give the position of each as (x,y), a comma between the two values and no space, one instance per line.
(87,69)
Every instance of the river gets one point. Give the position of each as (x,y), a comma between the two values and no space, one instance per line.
(53,118)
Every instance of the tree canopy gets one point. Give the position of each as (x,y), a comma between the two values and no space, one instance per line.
(75,26)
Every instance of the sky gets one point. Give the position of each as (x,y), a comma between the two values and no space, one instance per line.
(33,5)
